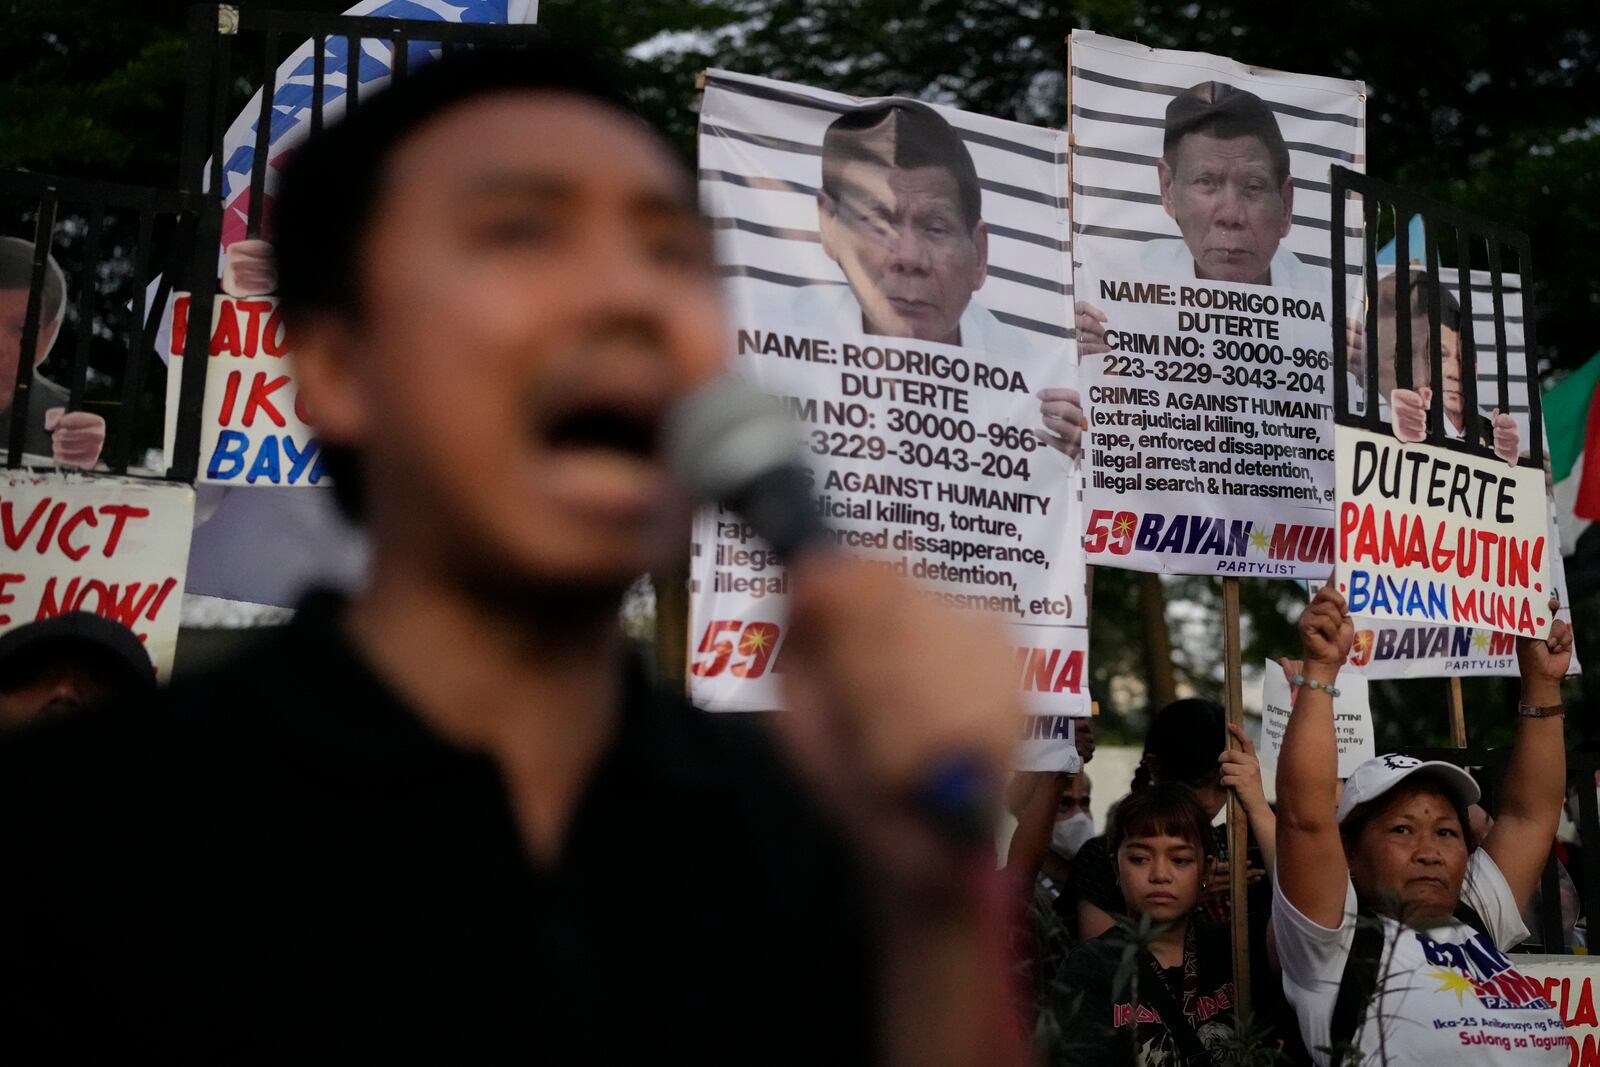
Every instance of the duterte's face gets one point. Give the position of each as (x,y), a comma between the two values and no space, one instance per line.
(903,243)
(1229,205)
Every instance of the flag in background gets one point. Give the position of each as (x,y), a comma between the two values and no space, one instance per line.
(1572,428)
(1415,239)
(291,100)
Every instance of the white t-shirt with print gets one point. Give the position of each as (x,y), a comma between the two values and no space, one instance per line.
(1450,994)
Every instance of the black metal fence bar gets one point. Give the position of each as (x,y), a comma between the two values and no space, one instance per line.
(21,395)
(88,283)
(140,337)
(1430,246)
(258,165)
(1468,342)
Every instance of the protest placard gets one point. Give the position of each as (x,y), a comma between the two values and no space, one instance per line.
(1203,306)
(1443,510)
(897,278)
(1352,719)
(117,547)
(251,427)
(1569,984)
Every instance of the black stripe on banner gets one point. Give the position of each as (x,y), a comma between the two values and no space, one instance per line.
(761,140)
(1051,329)
(1019,193)
(1116,194)
(789,96)
(1029,279)
(785,233)
(731,270)
(1039,239)
(1173,90)
(770,185)
(1113,156)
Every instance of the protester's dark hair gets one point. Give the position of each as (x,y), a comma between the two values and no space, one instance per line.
(1350,829)
(1224,111)
(333,186)
(1165,809)
(16,272)
(1182,744)
(901,134)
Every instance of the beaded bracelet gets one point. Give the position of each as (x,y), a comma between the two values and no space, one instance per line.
(1300,679)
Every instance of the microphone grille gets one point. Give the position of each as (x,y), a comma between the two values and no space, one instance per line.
(727,434)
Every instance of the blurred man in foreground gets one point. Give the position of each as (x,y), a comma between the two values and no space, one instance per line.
(412,828)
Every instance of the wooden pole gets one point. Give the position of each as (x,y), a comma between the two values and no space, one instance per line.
(1458,714)
(1238,831)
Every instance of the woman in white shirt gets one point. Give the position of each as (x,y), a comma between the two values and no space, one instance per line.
(1391,924)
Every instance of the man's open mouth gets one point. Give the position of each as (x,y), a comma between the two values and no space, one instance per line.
(612,425)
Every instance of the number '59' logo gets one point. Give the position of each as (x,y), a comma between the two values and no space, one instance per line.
(726,638)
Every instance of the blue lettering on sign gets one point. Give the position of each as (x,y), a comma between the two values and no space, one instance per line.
(272,459)
(231,447)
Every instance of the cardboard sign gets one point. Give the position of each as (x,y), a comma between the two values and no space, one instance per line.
(252,430)
(1352,719)
(908,328)
(1569,983)
(1433,534)
(1206,362)
(115,546)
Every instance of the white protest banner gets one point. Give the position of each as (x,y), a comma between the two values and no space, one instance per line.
(897,276)
(251,430)
(1569,983)
(1203,314)
(1352,719)
(115,546)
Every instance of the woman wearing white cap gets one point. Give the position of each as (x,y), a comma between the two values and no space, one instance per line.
(1391,922)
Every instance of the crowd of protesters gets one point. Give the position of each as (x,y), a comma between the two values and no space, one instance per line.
(419,824)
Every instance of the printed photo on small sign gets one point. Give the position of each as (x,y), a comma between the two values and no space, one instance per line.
(1443,507)
(1352,719)
(898,278)
(117,547)
(1203,307)
(252,431)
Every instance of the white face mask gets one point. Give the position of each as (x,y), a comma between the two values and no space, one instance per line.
(1070,834)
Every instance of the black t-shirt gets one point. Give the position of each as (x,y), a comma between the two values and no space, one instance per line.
(279,863)
(1110,1027)
(1094,872)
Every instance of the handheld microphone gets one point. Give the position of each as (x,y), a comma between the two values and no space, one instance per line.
(736,446)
